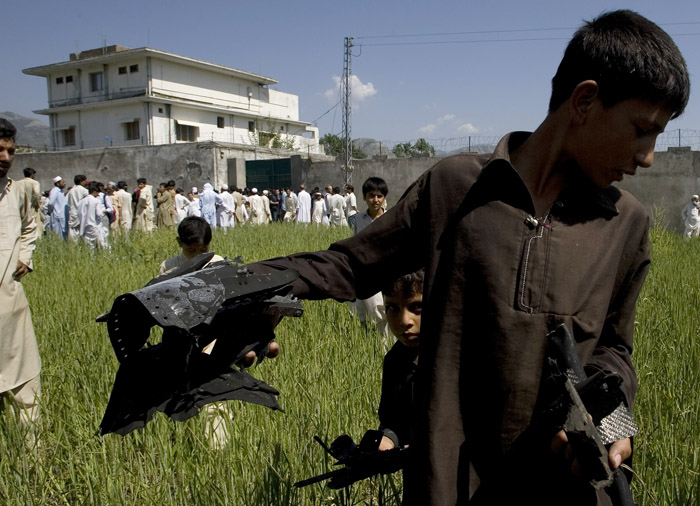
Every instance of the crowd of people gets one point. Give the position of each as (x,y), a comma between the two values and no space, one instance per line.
(91,210)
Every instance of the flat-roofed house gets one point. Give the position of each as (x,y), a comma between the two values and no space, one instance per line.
(117,96)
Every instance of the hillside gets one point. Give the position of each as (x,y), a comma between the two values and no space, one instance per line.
(30,131)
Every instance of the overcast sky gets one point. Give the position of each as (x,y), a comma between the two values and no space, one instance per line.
(419,68)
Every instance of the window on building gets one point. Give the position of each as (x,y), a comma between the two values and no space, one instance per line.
(220,121)
(69,136)
(134,68)
(251,126)
(131,131)
(69,79)
(59,80)
(160,110)
(187,133)
(122,70)
(96,81)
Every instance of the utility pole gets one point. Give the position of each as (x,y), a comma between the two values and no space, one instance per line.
(347,85)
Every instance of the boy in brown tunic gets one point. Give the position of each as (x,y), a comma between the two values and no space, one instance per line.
(529,236)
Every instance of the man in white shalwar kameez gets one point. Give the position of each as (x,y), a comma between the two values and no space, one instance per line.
(691,217)
(266,207)
(337,205)
(57,207)
(303,206)
(225,210)
(91,210)
(181,205)
(208,201)
(257,207)
(125,215)
(19,354)
(75,195)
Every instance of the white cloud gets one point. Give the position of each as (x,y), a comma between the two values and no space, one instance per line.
(428,129)
(446,118)
(359,90)
(467,129)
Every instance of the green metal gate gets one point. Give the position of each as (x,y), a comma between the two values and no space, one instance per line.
(268,174)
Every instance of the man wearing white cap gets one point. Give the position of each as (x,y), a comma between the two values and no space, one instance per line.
(57,207)
(257,208)
(267,218)
(691,217)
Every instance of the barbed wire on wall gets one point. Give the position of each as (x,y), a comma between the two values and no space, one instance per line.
(680,137)
(452,145)
(443,146)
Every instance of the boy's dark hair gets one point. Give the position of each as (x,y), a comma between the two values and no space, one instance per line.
(95,186)
(79,178)
(408,285)
(179,190)
(141,180)
(373,184)
(629,57)
(121,185)
(194,229)
(170,184)
(7,130)
(29,172)
(350,187)
(336,190)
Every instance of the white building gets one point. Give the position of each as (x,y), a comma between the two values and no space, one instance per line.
(120,96)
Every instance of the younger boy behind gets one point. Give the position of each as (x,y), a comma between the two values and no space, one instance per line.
(374,192)
(403,302)
(193,236)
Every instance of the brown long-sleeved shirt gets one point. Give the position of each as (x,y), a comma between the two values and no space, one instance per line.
(497,278)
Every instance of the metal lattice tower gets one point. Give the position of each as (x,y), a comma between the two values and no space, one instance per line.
(347,85)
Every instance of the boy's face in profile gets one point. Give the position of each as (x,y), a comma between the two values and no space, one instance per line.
(612,142)
(374,201)
(403,316)
(194,249)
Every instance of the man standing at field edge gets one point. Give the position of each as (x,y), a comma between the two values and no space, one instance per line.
(19,355)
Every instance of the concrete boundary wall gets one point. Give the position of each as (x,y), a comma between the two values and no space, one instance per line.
(667,185)
(189,164)
(664,189)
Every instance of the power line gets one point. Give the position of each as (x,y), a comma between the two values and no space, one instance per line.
(482,32)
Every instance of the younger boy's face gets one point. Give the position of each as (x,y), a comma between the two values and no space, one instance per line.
(403,316)
(374,201)
(194,249)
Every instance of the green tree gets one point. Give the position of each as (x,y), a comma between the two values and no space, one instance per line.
(333,145)
(407,150)
(423,147)
(403,150)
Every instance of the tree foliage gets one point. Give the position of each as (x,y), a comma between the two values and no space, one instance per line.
(408,150)
(333,145)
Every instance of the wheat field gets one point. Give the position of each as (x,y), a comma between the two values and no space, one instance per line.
(328,374)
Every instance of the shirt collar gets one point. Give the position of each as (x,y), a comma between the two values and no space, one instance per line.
(579,191)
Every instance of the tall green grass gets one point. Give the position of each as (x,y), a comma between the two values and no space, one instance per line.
(328,373)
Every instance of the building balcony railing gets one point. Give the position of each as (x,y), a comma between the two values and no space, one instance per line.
(98,97)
